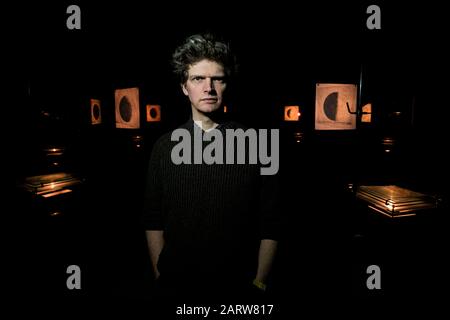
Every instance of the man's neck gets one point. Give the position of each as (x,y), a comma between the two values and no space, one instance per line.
(203,121)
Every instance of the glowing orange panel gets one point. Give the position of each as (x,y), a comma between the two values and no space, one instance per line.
(96,112)
(335,106)
(127,108)
(153,113)
(291,113)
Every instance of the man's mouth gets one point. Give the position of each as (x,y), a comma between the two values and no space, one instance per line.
(209,100)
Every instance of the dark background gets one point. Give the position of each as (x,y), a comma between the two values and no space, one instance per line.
(283,51)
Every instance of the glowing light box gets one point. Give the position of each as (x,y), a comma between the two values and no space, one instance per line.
(291,113)
(394,201)
(127,108)
(153,113)
(335,104)
(49,185)
(96,112)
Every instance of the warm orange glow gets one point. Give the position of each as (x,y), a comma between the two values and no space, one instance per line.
(366,113)
(292,113)
(390,205)
(388,143)
(153,113)
(96,112)
(298,137)
(225,109)
(137,140)
(53,151)
(51,194)
(391,215)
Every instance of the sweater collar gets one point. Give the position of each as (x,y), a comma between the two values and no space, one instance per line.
(221,126)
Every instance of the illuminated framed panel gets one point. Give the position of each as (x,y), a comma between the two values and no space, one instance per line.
(127,108)
(292,113)
(335,106)
(96,112)
(153,113)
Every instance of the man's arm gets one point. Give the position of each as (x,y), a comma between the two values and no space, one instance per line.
(267,251)
(155,241)
(270,225)
(152,219)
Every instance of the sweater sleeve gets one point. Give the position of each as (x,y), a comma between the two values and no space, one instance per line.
(270,218)
(152,214)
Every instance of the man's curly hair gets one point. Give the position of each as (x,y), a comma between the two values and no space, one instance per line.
(199,47)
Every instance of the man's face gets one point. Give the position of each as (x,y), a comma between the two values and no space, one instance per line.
(205,86)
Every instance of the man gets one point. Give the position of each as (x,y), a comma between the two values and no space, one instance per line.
(212,229)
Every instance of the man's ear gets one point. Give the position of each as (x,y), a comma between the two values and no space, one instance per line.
(183,87)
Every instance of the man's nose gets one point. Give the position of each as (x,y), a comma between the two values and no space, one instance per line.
(209,85)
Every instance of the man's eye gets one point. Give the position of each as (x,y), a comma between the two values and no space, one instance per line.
(197,79)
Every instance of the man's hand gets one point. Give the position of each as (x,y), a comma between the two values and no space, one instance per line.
(260,285)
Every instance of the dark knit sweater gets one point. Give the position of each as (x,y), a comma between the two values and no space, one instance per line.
(213,216)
